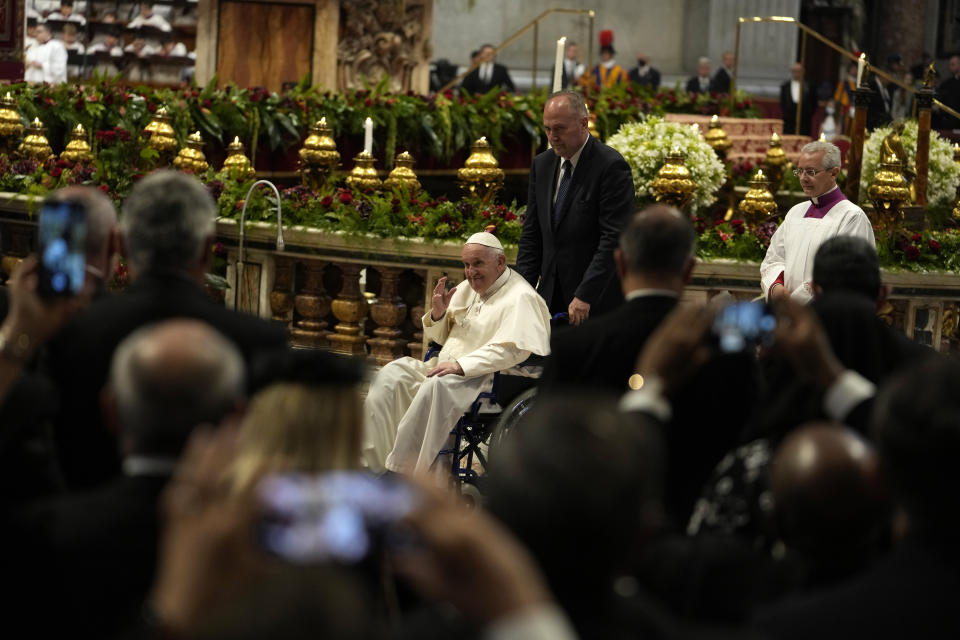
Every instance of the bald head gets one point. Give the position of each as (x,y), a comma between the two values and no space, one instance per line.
(169,377)
(827,490)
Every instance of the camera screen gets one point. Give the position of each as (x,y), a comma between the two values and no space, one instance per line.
(742,325)
(63,239)
(334,516)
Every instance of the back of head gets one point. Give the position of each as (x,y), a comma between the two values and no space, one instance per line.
(579,483)
(829,499)
(101,216)
(916,423)
(306,417)
(658,241)
(167,219)
(848,264)
(169,377)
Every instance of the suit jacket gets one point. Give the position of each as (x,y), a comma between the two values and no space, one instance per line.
(789,108)
(602,354)
(721,81)
(80,356)
(571,252)
(499,78)
(651,79)
(878,111)
(693,85)
(949,94)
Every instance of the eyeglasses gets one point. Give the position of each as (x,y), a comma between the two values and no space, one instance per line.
(807,172)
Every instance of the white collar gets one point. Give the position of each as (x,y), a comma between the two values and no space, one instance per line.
(646,293)
(148,466)
(609,64)
(575,158)
(496,286)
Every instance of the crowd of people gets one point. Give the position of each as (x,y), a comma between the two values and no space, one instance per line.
(173,469)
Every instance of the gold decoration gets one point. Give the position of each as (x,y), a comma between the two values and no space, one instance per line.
(363,176)
(717,138)
(35,144)
(238,165)
(191,158)
(956,160)
(776,163)
(592,127)
(888,193)
(388,313)
(318,156)
(161,135)
(758,204)
(403,175)
(11,127)
(673,184)
(930,76)
(350,308)
(78,149)
(951,320)
(891,150)
(481,175)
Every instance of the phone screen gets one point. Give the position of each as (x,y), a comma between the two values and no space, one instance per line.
(63,240)
(340,516)
(743,325)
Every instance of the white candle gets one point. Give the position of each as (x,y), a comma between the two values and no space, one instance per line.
(368,136)
(558,67)
(861,67)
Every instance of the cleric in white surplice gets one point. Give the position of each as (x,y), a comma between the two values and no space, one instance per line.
(490,322)
(787,269)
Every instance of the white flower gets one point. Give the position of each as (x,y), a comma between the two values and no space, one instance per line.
(646,145)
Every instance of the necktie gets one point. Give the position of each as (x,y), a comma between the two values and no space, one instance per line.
(562,189)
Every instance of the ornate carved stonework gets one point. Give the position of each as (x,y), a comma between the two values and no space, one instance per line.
(382,37)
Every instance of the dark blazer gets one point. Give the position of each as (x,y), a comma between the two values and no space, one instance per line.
(602,354)
(571,253)
(499,78)
(789,109)
(949,94)
(693,85)
(80,355)
(878,111)
(721,81)
(652,79)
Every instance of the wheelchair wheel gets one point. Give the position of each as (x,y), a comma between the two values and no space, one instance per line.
(512,414)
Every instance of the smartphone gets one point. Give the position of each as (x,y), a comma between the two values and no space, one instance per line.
(63,249)
(341,516)
(743,325)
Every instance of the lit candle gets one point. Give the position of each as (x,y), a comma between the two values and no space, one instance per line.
(893,157)
(558,67)
(368,136)
(36,122)
(323,121)
(759,174)
(236,139)
(714,118)
(823,137)
(861,67)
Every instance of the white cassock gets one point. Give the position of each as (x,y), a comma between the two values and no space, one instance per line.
(408,417)
(805,227)
(53,56)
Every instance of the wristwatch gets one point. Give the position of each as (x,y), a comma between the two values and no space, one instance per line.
(15,349)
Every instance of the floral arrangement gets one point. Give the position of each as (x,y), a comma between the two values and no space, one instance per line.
(645,146)
(943,175)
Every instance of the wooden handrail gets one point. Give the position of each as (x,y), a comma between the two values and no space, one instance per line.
(588,12)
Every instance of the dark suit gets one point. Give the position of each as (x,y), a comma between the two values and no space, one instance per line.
(693,85)
(571,251)
(721,81)
(602,354)
(80,361)
(499,78)
(789,109)
(878,111)
(650,79)
(949,94)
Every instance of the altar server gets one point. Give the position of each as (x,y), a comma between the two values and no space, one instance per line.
(45,61)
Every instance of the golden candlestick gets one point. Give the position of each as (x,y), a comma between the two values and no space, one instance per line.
(318,156)
(11,126)
(673,184)
(758,204)
(481,175)
(776,163)
(191,158)
(363,176)
(238,165)
(888,193)
(717,138)
(78,149)
(161,135)
(403,175)
(35,144)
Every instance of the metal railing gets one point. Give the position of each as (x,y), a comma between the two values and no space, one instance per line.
(804,32)
(535,25)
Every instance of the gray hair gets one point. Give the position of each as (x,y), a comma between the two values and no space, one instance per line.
(166,219)
(703,60)
(574,102)
(831,153)
(169,377)
(101,215)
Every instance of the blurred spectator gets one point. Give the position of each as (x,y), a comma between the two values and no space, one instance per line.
(829,127)
(901,105)
(723,78)
(949,94)
(700,83)
(607,73)
(843,95)
(790,96)
(644,74)
(489,74)
(573,69)
(66,14)
(148,18)
(878,111)
(46,61)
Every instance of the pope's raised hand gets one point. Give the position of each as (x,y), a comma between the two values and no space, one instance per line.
(441,299)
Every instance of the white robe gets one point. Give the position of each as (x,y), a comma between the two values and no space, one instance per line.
(408,417)
(53,56)
(795,243)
